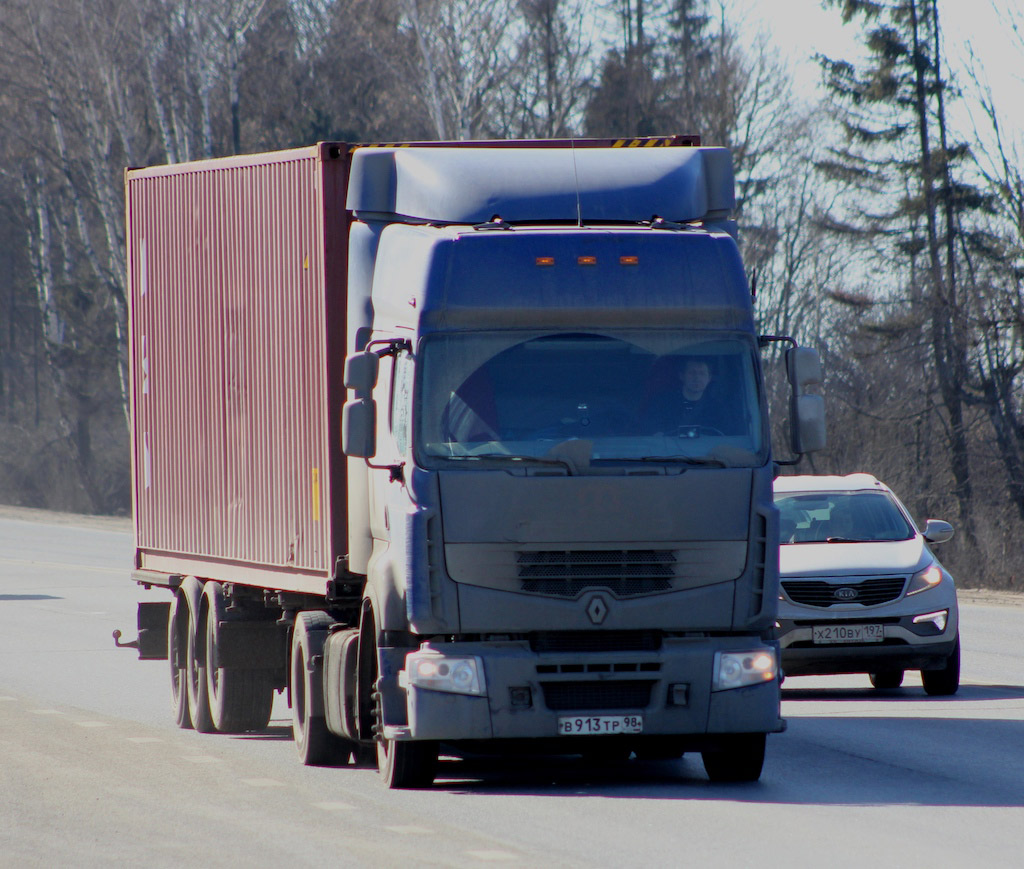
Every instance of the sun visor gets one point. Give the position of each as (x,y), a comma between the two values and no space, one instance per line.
(468,185)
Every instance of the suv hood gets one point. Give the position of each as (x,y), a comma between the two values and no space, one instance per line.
(852,559)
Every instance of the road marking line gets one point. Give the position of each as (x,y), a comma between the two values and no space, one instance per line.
(140,739)
(333,807)
(92,724)
(492,855)
(59,565)
(262,783)
(8,699)
(201,758)
(410,830)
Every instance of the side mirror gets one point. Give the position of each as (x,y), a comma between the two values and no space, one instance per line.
(937,531)
(361,372)
(359,427)
(803,366)
(808,424)
(807,411)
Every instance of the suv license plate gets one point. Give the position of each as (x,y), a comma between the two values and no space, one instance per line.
(600,725)
(824,634)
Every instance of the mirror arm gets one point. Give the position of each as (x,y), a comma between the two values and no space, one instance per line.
(393,348)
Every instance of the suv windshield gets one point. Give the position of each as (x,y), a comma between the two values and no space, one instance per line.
(840,517)
(574,398)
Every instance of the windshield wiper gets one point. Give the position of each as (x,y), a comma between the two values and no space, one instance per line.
(506,457)
(846,540)
(705,461)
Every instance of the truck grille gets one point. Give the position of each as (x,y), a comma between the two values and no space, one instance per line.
(624,572)
(595,641)
(869,592)
(566,696)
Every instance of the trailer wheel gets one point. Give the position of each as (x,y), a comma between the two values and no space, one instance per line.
(316,745)
(177,640)
(402,765)
(739,759)
(195,657)
(240,700)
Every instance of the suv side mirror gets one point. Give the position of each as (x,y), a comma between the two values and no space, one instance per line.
(937,531)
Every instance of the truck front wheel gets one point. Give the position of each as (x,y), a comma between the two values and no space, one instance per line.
(402,765)
(738,759)
(406,765)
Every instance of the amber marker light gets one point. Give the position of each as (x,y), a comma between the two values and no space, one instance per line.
(545,261)
(586,260)
(629,260)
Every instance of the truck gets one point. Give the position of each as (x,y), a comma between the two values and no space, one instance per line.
(404,448)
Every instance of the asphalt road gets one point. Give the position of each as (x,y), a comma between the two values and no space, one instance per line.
(94,773)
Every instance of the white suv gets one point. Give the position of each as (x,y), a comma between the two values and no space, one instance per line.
(861,590)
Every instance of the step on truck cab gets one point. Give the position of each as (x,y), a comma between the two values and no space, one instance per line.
(463,445)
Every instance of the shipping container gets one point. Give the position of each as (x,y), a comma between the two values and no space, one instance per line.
(237,300)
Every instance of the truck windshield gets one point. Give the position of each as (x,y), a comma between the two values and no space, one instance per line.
(589,397)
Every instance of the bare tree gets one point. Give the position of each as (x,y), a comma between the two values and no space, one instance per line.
(547,85)
(465,57)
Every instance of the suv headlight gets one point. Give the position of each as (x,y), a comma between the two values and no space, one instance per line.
(930,577)
(737,669)
(436,672)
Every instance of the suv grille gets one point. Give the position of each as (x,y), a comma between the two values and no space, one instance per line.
(869,592)
(625,572)
(565,696)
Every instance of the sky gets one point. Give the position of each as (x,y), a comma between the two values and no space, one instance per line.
(802,28)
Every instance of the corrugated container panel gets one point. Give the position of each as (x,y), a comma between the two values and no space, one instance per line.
(232,287)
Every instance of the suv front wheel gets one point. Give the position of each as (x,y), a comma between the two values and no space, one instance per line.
(942,683)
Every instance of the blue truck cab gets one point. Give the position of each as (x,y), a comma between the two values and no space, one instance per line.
(562,547)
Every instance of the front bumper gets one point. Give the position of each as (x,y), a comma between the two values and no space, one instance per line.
(528,691)
(905,646)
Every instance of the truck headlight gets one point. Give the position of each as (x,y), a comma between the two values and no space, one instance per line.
(433,671)
(737,669)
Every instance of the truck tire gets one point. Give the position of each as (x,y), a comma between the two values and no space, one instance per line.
(316,745)
(406,765)
(240,700)
(195,657)
(944,682)
(739,759)
(885,679)
(402,765)
(177,642)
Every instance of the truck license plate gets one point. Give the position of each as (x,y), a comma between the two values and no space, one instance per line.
(824,634)
(600,725)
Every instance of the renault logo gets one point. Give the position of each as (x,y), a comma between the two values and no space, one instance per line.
(845,593)
(597,609)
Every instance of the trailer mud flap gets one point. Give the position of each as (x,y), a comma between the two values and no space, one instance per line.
(152,639)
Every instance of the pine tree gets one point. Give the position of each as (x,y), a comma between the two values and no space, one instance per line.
(906,202)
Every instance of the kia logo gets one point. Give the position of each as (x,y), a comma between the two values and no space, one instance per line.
(845,593)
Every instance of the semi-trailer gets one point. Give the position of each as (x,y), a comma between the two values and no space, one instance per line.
(413,441)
